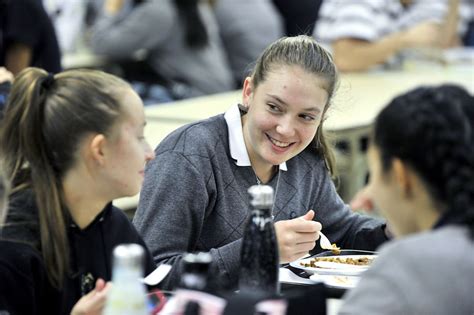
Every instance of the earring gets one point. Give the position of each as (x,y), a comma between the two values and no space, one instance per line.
(243,108)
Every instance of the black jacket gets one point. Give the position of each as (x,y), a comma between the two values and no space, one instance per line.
(90,250)
(26,22)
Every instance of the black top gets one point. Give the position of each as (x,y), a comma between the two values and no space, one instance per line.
(90,251)
(26,22)
(24,287)
(299,16)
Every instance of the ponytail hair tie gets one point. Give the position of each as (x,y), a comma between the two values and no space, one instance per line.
(48,81)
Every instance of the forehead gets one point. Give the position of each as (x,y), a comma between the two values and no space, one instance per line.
(132,107)
(293,83)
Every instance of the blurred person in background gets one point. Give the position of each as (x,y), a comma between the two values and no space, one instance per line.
(247,27)
(68,18)
(421,163)
(27,37)
(180,39)
(299,16)
(366,33)
(6,78)
(467,28)
(71,143)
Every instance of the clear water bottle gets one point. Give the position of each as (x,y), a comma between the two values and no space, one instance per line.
(128,294)
(195,271)
(259,264)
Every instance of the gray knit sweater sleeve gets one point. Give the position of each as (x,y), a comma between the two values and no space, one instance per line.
(346,228)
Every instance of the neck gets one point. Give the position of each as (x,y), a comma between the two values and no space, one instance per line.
(428,220)
(264,174)
(427,212)
(262,169)
(81,198)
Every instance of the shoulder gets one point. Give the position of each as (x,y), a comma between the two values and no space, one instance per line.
(308,171)
(116,217)
(121,230)
(197,138)
(22,222)
(20,260)
(415,267)
(119,227)
(412,257)
(308,161)
(436,244)
(24,285)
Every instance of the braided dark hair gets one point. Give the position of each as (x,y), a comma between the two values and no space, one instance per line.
(432,129)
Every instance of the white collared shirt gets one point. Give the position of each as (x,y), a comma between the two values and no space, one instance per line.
(238,151)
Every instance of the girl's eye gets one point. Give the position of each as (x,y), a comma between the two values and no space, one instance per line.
(307,117)
(274,108)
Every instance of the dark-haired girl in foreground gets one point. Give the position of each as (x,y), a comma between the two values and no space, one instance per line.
(72,143)
(422,180)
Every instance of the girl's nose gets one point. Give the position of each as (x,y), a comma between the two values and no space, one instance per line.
(285,127)
(149,153)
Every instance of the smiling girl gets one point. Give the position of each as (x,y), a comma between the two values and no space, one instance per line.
(194,196)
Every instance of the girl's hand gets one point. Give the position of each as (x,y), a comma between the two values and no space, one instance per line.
(113,6)
(362,201)
(93,303)
(296,237)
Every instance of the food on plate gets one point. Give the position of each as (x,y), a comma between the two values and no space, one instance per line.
(358,261)
(335,249)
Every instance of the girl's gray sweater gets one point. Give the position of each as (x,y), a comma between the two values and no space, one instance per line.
(195,198)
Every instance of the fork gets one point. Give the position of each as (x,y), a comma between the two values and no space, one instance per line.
(325,243)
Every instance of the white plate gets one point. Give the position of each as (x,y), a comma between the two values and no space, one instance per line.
(330,268)
(337,281)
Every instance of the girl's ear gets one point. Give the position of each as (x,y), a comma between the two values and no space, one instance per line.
(247,91)
(97,148)
(403,177)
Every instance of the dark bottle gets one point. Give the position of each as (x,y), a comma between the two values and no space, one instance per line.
(195,271)
(259,263)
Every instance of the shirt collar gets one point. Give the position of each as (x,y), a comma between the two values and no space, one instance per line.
(238,151)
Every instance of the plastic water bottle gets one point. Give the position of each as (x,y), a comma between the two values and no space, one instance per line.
(259,264)
(128,294)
